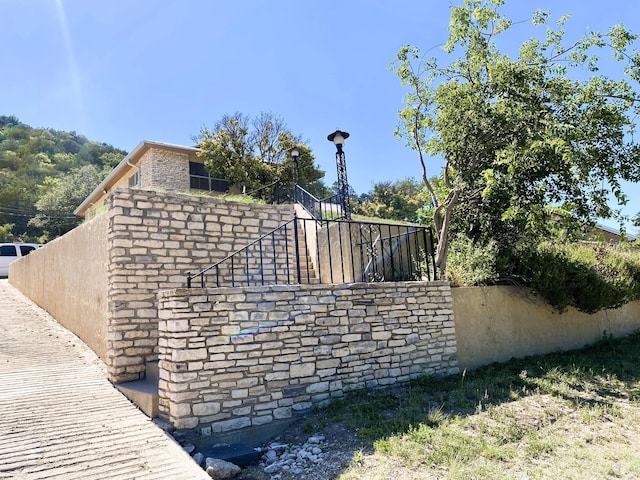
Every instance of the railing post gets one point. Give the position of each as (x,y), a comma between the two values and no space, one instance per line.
(188,279)
(297,244)
(433,254)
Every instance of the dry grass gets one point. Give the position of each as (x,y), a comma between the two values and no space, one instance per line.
(564,416)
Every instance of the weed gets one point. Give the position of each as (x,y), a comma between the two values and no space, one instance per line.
(519,414)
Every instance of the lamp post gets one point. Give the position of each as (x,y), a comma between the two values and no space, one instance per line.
(338,139)
(295,153)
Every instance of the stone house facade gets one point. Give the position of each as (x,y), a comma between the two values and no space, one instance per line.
(153,166)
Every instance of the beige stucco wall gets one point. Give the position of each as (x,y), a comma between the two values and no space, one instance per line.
(68,278)
(494,324)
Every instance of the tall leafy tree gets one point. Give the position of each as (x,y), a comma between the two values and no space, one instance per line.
(60,196)
(34,163)
(253,153)
(401,200)
(519,133)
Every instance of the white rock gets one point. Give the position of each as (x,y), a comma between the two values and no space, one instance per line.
(315,440)
(220,469)
(189,448)
(316,450)
(273,468)
(198,458)
(271,456)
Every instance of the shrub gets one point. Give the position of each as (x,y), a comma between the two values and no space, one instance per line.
(470,263)
(587,276)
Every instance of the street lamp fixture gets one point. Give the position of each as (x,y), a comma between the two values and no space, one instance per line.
(338,137)
(295,153)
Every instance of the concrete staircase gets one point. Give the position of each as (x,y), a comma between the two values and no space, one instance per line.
(143,393)
(308,273)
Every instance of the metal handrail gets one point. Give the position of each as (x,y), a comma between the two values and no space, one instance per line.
(329,251)
(248,194)
(201,273)
(318,208)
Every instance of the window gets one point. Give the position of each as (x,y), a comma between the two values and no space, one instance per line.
(25,249)
(199,179)
(134,180)
(8,251)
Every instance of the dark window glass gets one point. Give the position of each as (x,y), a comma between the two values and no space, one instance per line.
(8,251)
(134,180)
(199,179)
(197,169)
(25,249)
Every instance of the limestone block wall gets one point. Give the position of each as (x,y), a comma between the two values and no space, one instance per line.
(166,169)
(154,239)
(237,357)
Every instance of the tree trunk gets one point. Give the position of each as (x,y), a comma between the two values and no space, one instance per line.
(442,221)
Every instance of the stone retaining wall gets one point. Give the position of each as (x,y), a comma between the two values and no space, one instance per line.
(154,240)
(237,357)
(494,324)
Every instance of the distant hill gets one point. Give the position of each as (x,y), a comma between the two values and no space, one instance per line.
(44,175)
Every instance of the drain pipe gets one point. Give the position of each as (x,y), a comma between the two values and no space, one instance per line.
(138,182)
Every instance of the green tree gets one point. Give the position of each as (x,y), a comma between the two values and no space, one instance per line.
(519,134)
(31,159)
(309,175)
(250,154)
(401,200)
(5,232)
(60,196)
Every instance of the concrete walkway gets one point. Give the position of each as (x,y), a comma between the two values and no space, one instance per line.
(60,418)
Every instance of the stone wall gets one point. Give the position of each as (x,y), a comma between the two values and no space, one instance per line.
(237,357)
(169,169)
(68,278)
(154,239)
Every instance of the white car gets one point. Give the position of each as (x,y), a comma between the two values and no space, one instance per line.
(13,251)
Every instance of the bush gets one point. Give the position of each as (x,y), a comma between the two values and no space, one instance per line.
(469,263)
(589,277)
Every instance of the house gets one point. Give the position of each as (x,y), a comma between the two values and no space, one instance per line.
(154,166)
(602,233)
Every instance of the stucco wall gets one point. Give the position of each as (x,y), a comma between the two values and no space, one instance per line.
(154,240)
(494,324)
(237,357)
(68,278)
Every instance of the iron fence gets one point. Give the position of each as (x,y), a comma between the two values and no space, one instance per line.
(330,251)
(329,208)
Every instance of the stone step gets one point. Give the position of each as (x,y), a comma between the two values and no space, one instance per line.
(144,393)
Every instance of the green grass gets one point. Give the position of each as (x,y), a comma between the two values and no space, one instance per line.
(569,415)
(385,221)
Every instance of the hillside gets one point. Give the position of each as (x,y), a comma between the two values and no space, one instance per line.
(44,175)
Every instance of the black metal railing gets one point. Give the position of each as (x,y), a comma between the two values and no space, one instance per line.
(331,251)
(329,208)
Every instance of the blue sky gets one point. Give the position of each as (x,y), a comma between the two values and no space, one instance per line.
(123,71)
